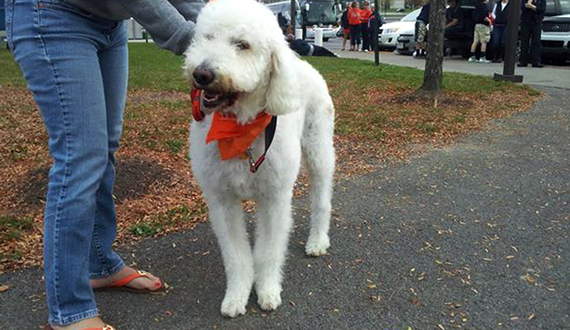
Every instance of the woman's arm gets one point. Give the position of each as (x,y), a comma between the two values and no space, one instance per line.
(452,23)
(170,23)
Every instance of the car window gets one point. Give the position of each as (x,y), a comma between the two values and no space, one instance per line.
(565,6)
(550,8)
(411,17)
(321,12)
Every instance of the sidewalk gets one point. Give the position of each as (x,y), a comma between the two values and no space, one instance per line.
(472,236)
(549,76)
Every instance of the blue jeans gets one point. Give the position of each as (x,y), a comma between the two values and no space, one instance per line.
(355,35)
(498,36)
(76,65)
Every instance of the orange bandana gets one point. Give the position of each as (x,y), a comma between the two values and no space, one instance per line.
(233,138)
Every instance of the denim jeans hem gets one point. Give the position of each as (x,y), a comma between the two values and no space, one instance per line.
(67,320)
(108,272)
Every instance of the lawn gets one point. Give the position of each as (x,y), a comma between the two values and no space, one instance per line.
(377,120)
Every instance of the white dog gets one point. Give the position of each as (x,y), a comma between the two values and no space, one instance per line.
(244,67)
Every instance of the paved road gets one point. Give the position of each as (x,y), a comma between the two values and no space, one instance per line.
(473,235)
(551,76)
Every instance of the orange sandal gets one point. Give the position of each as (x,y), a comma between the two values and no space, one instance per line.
(120,285)
(105,327)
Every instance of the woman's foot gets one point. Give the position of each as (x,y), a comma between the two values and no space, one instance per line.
(148,282)
(91,323)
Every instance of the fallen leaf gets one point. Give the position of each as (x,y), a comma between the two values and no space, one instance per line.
(4,288)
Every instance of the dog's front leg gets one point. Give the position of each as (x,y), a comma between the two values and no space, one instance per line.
(272,236)
(227,221)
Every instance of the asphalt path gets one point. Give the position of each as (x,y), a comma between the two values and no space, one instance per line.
(472,236)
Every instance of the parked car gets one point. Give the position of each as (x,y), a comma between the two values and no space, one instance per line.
(406,44)
(389,32)
(557,7)
(284,8)
(329,31)
(555,39)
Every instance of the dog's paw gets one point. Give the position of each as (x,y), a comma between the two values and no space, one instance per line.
(232,307)
(268,300)
(317,246)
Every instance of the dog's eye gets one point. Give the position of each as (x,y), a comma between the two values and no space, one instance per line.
(209,36)
(242,45)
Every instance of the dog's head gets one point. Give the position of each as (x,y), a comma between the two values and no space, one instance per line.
(241,60)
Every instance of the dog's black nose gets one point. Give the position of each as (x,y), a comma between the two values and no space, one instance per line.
(203,76)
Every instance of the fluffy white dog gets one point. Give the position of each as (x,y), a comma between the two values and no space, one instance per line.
(244,67)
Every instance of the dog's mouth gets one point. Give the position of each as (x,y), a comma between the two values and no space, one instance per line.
(215,100)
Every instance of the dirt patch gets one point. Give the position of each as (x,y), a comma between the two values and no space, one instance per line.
(30,191)
(136,175)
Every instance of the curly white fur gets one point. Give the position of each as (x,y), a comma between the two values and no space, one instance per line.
(269,77)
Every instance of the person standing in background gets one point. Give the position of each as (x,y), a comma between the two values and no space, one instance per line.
(354,21)
(365,14)
(531,30)
(282,22)
(421,30)
(499,34)
(482,32)
(453,18)
(345,26)
(374,23)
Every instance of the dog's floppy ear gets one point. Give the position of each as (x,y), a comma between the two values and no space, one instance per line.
(282,95)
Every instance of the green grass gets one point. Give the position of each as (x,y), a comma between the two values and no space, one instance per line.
(178,215)
(155,69)
(368,74)
(372,107)
(351,82)
(150,67)
(427,127)
(10,74)
(160,70)
(13,227)
(145,229)
(175,146)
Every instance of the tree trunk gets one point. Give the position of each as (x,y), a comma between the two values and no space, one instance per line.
(434,61)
